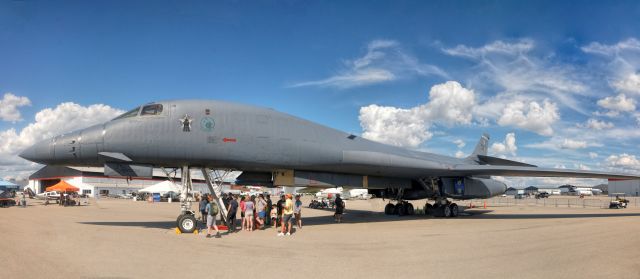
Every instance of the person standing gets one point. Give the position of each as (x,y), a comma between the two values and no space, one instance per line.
(279,206)
(261,207)
(287,215)
(249,206)
(269,207)
(242,210)
(212,213)
(274,217)
(203,208)
(297,211)
(232,209)
(23,200)
(339,208)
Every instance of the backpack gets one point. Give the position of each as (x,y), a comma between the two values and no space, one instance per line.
(214,209)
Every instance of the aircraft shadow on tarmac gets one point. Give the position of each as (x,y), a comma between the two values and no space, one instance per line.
(364,216)
(482,214)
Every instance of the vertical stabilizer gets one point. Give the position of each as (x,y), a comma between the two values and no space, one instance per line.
(481,147)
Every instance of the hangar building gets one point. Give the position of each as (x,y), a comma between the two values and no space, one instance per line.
(92,181)
(630,187)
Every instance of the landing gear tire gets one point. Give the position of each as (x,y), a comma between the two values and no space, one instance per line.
(402,209)
(428,209)
(187,223)
(409,209)
(446,211)
(389,209)
(455,211)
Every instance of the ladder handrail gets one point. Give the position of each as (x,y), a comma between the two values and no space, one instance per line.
(216,191)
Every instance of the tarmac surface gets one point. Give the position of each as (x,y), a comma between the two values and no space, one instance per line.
(124,239)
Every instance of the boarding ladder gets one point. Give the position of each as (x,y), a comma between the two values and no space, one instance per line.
(215,188)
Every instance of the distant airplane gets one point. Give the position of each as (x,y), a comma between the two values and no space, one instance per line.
(274,148)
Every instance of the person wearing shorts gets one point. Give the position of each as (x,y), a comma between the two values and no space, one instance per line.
(248,214)
(211,220)
(297,211)
(261,206)
(287,215)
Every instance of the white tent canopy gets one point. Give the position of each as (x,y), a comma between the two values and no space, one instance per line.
(162,188)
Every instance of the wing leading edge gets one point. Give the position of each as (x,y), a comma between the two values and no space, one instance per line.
(471,170)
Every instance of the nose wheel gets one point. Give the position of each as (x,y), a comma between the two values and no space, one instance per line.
(186,223)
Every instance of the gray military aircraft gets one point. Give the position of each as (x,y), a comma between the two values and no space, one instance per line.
(276,149)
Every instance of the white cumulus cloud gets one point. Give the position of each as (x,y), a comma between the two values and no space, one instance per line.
(449,103)
(573,144)
(530,116)
(395,126)
(384,61)
(48,122)
(629,83)
(9,105)
(623,161)
(459,143)
(618,103)
(595,124)
(507,147)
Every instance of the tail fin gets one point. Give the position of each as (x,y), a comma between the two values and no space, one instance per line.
(481,147)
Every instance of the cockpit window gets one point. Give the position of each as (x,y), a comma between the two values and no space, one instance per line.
(154,109)
(131,113)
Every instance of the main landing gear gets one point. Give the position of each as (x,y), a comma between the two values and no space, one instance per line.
(442,208)
(402,208)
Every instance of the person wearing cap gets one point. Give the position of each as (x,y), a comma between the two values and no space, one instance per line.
(287,214)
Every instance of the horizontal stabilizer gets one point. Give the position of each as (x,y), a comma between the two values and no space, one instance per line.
(501,162)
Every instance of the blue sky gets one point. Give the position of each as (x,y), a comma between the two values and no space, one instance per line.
(535,75)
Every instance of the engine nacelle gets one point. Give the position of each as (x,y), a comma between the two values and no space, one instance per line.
(462,188)
(471,187)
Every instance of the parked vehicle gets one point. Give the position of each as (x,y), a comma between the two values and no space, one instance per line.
(318,204)
(7,198)
(618,201)
(542,195)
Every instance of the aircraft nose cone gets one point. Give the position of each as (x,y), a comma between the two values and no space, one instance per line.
(39,152)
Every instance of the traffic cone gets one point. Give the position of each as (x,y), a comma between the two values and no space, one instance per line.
(485,204)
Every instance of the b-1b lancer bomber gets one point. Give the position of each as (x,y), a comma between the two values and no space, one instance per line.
(276,149)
